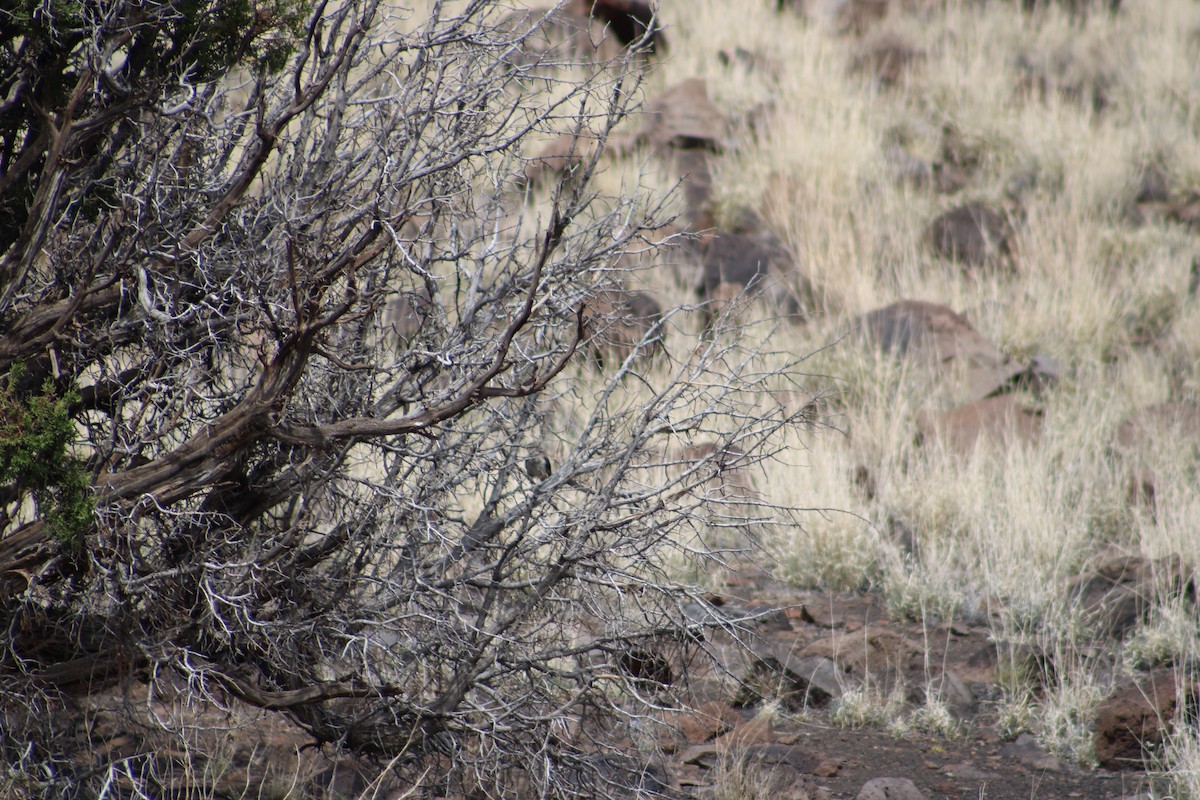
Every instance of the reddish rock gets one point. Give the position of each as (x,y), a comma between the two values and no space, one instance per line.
(1133,723)
(972,235)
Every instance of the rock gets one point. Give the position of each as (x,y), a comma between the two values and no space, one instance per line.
(751,262)
(972,235)
(630,21)
(1133,723)
(799,681)
(889,789)
(1001,419)
(684,117)
(618,324)
(917,329)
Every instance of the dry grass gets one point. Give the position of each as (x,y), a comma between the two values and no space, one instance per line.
(997,531)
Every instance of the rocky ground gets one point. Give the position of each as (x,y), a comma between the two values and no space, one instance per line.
(819,646)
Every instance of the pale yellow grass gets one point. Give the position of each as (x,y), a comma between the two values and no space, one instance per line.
(1000,531)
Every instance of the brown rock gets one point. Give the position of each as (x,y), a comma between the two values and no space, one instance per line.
(914,328)
(972,235)
(1136,718)
(1001,419)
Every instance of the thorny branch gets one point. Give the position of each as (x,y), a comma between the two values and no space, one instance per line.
(309,328)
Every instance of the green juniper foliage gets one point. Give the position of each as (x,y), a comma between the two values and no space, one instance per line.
(36,433)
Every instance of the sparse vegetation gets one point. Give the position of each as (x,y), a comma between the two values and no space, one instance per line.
(1075,128)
